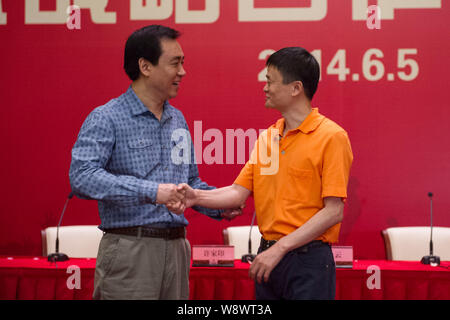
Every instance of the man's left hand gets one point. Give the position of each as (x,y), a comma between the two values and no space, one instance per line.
(264,263)
(230,214)
(176,207)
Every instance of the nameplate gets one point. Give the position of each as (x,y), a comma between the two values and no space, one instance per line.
(343,256)
(212,256)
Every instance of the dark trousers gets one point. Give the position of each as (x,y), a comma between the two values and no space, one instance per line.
(305,273)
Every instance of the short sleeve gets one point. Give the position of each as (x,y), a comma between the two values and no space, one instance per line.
(337,161)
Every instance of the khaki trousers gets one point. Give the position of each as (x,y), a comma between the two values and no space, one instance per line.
(129,267)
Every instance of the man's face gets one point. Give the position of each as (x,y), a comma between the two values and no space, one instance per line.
(166,76)
(278,94)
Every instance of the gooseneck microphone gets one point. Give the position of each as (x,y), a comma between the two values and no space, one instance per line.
(431,259)
(57,256)
(249,257)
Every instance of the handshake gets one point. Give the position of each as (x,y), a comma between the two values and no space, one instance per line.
(178,198)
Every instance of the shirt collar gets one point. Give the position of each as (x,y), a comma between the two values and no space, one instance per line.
(311,123)
(137,107)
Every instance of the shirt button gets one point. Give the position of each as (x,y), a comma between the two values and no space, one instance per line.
(283,152)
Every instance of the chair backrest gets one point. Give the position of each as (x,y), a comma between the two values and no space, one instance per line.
(238,237)
(412,243)
(75,241)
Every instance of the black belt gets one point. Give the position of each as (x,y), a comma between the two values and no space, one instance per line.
(151,232)
(266,244)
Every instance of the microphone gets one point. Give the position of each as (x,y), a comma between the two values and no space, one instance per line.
(57,256)
(431,259)
(249,257)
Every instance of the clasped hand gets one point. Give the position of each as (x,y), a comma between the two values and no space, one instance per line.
(178,198)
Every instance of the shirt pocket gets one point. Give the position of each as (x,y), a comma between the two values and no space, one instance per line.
(298,184)
(144,156)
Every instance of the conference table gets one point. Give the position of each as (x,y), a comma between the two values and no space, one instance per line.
(34,278)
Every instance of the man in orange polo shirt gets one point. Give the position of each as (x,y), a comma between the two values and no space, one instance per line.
(299,191)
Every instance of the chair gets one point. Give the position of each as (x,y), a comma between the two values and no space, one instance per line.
(412,243)
(75,241)
(238,237)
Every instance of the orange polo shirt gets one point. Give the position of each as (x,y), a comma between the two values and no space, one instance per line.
(290,175)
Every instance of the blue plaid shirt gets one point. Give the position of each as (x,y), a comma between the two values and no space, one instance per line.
(121,155)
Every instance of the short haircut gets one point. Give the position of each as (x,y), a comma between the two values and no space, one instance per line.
(297,64)
(145,43)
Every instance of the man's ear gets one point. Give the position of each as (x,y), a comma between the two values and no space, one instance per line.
(145,66)
(297,88)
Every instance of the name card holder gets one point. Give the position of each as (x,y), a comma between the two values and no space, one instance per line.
(212,256)
(343,256)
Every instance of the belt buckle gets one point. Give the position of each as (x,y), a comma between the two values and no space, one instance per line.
(266,244)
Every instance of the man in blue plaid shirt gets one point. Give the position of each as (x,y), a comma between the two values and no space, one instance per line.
(124,159)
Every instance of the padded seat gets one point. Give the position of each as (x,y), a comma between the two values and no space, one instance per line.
(238,237)
(75,241)
(412,243)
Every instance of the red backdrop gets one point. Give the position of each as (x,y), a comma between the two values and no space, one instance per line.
(387,87)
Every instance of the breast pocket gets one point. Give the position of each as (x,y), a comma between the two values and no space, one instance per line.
(144,156)
(298,184)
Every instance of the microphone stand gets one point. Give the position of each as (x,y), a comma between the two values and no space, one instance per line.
(58,256)
(249,257)
(431,259)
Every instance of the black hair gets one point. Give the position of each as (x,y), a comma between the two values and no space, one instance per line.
(145,43)
(297,64)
